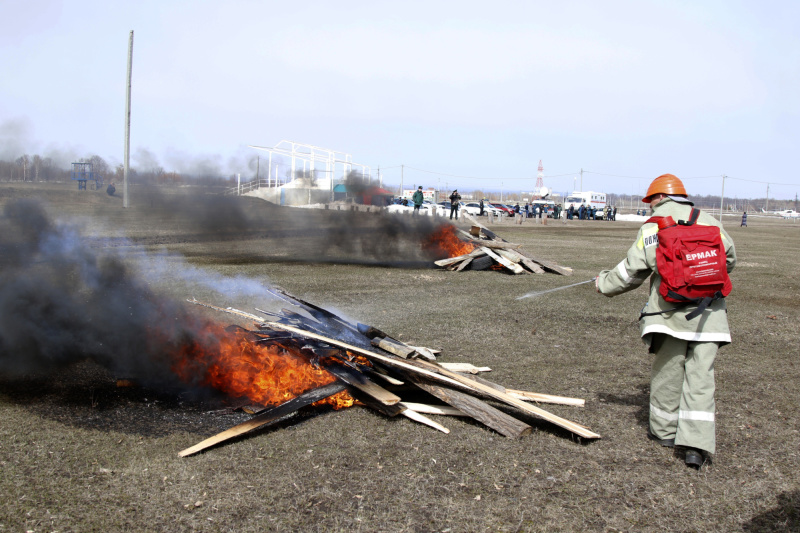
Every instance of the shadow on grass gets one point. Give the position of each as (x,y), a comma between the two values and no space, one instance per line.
(87,396)
(640,399)
(257,259)
(784,517)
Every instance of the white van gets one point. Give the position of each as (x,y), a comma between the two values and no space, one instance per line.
(589,199)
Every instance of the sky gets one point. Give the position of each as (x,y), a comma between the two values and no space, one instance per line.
(467,94)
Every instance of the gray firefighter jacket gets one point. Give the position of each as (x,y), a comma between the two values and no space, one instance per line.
(640,263)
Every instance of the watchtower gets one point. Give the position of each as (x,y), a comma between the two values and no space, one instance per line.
(82,172)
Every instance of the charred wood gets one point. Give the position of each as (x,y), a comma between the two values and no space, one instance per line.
(395,348)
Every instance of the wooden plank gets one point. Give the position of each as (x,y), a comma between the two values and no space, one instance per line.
(288,407)
(444,410)
(388,360)
(401,349)
(464,264)
(435,372)
(495,245)
(465,367)
(474,382)
(370,370)
(425,353)
(320,313)
(481,411)
(546,398)
(513,267)
(451,260)
(422,419)
(533,267)
(393,347)
(370,331)
(525,395)
(385,377)
(512,255)
(356,379)
(374,399)
(229,310)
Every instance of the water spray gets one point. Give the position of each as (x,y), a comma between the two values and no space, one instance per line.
(539,293)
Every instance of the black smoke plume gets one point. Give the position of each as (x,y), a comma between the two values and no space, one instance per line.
(294,234)
(65,297)
(357,182)
(61,302)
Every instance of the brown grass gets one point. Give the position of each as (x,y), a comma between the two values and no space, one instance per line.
(78,454)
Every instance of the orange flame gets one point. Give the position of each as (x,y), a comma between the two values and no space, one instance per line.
(444,243)
(267,374)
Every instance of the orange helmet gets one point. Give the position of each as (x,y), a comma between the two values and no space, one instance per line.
(665,184)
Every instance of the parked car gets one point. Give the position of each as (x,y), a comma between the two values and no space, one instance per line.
(504,208)
(399,208)
(474,208)
(426,208)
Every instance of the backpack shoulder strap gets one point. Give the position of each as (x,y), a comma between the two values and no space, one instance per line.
(695,214)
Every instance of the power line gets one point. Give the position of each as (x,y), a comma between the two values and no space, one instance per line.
(764,182)
(481,177)
(647,177)
(614,175)
(718,176)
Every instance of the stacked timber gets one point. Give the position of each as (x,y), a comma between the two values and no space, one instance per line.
(375,369)
(492,252)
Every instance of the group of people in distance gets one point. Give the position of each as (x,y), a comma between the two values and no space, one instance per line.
(533,210)
(530,210)
(585,212)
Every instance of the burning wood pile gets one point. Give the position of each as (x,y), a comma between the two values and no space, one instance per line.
(293,360)
(482,249)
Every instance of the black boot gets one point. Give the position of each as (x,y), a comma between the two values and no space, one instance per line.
(694,458)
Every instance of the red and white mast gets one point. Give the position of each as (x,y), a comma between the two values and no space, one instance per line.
(540,180)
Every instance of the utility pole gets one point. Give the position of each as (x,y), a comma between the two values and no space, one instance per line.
(401,180)
(722,199)
(127,124)
(258,167)
(766,204)
(581,180)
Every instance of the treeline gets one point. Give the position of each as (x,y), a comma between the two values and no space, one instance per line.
(711,202)
(35,168)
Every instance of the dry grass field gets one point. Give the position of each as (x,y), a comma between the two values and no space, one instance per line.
(78,453)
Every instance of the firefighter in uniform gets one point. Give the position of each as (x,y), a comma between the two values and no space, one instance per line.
(682,378)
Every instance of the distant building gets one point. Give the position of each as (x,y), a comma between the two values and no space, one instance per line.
(427,194)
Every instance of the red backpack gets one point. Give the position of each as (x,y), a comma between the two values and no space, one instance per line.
(691,262)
